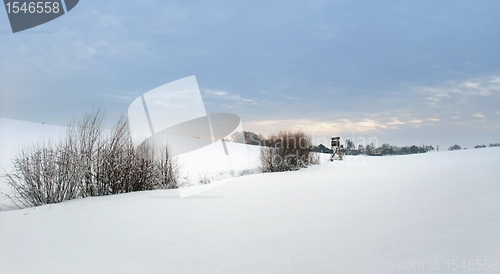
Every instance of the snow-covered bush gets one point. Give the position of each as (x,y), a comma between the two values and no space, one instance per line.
(90,161)
(286,151)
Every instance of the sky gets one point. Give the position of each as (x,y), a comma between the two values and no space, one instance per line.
(399,72)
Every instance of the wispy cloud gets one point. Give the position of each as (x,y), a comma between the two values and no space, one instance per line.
(215,92)
(465,99)
(317,127)
(395,121)
(472,87)
(225,96)
(121,97)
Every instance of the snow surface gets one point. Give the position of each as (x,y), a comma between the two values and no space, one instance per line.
(361,215)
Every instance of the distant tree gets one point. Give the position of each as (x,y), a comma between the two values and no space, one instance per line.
(455,147)
(238,137)
(480,146)
(495,145)
(369,148)
(361,149)
(252,138)
(386,149)
(349,145)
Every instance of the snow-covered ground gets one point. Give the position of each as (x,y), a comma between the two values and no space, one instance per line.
(362,215)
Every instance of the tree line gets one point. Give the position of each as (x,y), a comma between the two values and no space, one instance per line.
(252,138)
(257,139)
(385,149)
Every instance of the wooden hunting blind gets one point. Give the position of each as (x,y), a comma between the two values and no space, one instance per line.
(336,149)
(335,142)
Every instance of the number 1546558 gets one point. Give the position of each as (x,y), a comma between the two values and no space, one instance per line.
(33,7)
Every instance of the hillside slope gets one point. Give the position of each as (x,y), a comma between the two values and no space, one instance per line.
(357,216)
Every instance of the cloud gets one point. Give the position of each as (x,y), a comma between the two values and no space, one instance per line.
(395,121)
(215,92)
(466,99)
(120,97)
(225,96)
(471,87)
(317,127)
(447,106)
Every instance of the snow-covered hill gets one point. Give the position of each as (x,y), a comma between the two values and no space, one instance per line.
(363,215)
(208,163)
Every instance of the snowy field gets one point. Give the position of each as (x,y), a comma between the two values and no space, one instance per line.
(362,215)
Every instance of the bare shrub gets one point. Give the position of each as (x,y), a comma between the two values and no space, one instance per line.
(286,151)
(314,158)
(90,161)
(169,169)
(43,174)
(205,179)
